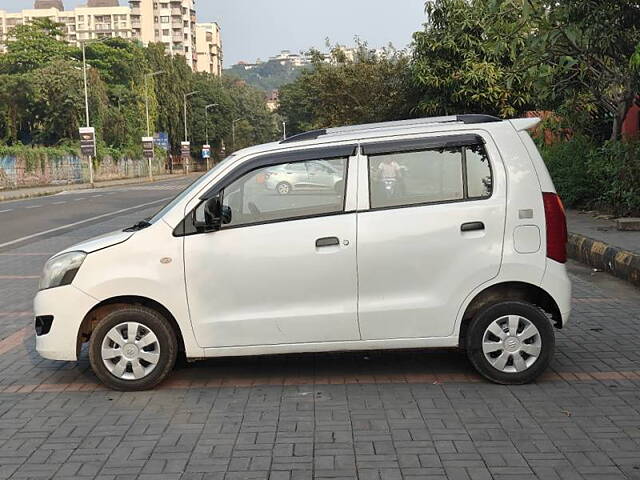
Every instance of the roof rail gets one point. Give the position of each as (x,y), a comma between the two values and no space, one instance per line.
(477,118)
(466,119)
(311,135)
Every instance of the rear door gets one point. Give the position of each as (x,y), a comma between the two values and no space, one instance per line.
(424,248)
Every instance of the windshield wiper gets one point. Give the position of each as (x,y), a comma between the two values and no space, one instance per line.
(141,225)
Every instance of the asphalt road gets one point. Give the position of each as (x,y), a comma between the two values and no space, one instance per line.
(22,221)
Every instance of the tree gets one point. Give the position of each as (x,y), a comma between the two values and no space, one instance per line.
(587,46)
(468,58)
(373,87)
(35,44)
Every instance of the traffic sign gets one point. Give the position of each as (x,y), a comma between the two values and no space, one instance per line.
(206,151)
(147,147)
(185,150)
(88,141)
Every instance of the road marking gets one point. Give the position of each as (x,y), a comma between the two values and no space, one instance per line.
(92,219)
(8,210)
(26,254)
(59,203)
(78,199)
(33,206)
(96,196)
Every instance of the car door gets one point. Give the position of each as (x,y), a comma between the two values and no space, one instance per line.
(282,271)
(438,236)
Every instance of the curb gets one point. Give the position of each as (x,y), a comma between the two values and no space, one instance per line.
(614,260)
(85,186)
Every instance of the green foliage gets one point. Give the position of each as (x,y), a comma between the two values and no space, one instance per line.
(370,88)
(42,95)
(592,176)
(35,46)
(266,76)
(586,47)
(467,58)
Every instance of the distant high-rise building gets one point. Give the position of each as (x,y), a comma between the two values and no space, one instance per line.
(103,3)
(43,4)
(171,22)
(209,48)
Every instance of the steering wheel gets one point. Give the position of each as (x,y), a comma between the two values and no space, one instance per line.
(253,208)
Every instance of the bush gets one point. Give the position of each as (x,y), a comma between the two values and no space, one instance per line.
(604,177)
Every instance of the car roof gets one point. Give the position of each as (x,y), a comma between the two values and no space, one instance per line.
(370,130)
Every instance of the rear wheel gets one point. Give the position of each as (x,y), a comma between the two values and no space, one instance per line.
(510,342)
(132,348)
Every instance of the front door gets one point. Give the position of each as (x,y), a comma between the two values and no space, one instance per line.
(283,270)
(426,243)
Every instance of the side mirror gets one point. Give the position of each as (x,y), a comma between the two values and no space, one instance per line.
(208,217)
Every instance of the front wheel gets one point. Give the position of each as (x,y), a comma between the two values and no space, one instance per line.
(132,348)
(511,342)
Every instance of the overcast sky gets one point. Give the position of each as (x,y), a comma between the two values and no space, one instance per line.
(254,29)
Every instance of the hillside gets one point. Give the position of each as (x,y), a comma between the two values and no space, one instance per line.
(266,76)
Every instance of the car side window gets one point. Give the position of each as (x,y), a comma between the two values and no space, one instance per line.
(283,192)
(429,176)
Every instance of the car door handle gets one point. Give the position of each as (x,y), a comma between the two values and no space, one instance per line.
(471,226)
(327,242)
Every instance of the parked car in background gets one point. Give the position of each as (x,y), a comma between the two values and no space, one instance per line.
(466,249)
(307,176)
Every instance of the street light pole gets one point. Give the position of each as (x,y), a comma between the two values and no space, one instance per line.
(146,106)
(186,132)
(206,127)
(86,104)
(186,96)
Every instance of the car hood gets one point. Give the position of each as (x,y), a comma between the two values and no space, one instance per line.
(100,243)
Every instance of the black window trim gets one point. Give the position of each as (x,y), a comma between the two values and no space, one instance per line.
(408,146)
(405,145)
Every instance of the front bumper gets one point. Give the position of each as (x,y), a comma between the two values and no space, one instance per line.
(68,306)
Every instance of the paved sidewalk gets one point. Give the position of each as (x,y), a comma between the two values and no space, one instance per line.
(596,242)
(32,192)
(588,225)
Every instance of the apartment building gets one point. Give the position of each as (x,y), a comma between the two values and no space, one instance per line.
(171,22)
(98,19)
(209,48)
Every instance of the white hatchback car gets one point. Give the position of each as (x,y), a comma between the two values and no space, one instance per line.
(466,249)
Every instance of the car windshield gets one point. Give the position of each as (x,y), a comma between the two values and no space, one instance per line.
(187,191)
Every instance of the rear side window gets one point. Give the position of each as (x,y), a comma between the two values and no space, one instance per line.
(429,176)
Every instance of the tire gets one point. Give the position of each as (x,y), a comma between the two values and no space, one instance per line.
(502,360)
(283,188)
(153,361)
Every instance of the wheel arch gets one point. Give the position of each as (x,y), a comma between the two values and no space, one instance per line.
(504,291)
(107,306)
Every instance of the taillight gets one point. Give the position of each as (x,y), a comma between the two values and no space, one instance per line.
(556,220)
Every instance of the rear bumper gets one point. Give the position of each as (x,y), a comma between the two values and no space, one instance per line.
(556,283)
(68,306)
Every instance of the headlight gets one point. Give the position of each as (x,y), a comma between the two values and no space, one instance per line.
(61,270)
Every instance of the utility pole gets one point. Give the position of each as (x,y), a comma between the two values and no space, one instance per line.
(284,130)
(186,132)
(86,105)
(146,105)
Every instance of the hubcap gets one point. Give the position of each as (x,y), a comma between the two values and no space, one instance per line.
(130,351)
(283,189)
(511,344)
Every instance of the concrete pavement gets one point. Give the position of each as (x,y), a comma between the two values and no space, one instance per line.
(367,415)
